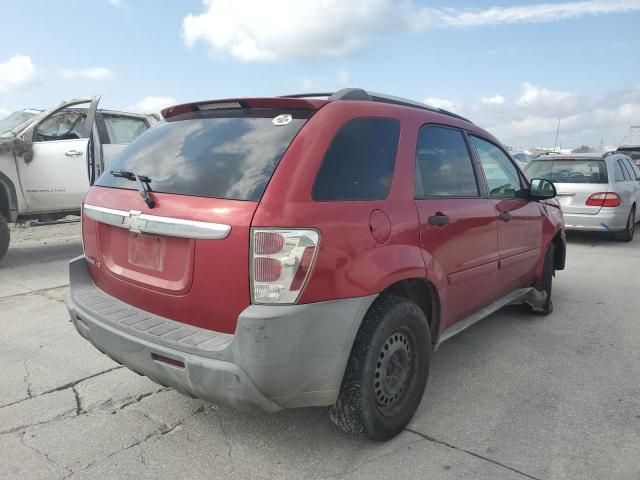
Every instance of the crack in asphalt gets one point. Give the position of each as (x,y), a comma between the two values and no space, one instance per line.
(227,442)
(473,454)
(34,449)
(79,409)
(19,428)
(37,291)
(25,379)
(371,459)
(142,396)
(163,429)
(62,387)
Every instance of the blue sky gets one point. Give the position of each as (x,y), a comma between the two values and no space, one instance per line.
(531,62)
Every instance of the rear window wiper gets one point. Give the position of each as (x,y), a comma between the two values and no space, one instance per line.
(141,180)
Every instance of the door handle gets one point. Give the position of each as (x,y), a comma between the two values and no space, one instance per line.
(438,219)
(73,153)
(505,216)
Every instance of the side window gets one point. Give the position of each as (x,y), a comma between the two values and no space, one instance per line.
(502,176)
(67,124)
(635,173)
(359,162)
(621,176)
(123,130)
(443,164)
(627,170)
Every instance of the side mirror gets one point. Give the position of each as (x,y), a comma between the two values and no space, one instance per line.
(542,189)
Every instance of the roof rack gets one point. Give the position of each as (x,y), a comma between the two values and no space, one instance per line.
(361,94)
(548,153)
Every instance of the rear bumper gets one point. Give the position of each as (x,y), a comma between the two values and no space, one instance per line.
(607,220)
(279,357)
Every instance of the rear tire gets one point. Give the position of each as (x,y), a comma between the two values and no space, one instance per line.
(4,237)
(627,234)
(387,371)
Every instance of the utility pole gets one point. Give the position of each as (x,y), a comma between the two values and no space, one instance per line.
(555,144)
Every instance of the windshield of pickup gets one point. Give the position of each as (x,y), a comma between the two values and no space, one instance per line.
(13,120)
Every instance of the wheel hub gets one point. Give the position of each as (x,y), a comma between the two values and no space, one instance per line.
(392,369)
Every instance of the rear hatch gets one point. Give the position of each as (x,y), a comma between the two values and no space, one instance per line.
(187,258)
(575,180)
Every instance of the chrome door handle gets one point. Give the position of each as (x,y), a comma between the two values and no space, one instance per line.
(73,153)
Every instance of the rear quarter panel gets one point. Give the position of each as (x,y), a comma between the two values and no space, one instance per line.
(350,262)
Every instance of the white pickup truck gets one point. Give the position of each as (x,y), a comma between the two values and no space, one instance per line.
(48,159)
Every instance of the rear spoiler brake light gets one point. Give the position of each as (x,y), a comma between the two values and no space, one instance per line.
(273,102)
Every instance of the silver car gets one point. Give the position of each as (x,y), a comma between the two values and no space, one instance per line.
(596,192)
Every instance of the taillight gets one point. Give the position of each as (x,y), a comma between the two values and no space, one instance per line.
(281,261)
(604,199)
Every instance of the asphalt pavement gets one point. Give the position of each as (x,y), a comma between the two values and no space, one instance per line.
(514,397)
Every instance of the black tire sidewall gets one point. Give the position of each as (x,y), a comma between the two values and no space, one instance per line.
(4,237)
(408,316)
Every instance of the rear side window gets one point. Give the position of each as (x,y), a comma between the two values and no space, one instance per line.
(225,154)
(359,162)
(443,164)
(635,175)
(621,176)
(123,130)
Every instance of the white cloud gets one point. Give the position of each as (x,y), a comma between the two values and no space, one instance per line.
(532,119)
(4,112)
(152,104)
(542,12)
(117,3)
(547,100)
(442,103)
(256,30)
(495,100)
(94,73)
(17,72)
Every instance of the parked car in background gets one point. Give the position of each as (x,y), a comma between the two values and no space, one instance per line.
(522,158)
(300,251)
(48,159)
(596,192)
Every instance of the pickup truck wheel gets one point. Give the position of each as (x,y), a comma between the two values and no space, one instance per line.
(627,234)
(387,372)
(4,237)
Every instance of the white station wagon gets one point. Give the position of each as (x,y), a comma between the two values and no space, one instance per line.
(596,192)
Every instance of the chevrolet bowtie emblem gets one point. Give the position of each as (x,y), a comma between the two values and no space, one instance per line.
(134,223)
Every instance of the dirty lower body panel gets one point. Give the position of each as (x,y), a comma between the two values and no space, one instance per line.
(279,356)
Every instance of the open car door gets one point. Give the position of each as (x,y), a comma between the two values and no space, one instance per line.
(57,173)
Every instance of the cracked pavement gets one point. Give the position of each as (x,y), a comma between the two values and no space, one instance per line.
(514,397)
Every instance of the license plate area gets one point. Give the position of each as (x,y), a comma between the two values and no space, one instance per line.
(147,251)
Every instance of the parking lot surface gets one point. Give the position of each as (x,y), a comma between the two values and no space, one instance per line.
(514,397)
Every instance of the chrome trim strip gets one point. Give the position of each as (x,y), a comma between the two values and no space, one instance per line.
(136,221)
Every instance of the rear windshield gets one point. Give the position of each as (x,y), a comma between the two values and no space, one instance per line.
(225,154)
(569,171)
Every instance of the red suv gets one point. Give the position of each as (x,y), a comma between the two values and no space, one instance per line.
(270,253)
